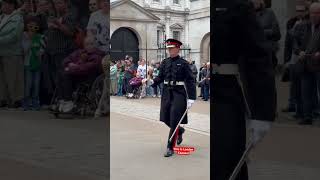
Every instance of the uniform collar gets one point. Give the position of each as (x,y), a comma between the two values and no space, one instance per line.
(175,58)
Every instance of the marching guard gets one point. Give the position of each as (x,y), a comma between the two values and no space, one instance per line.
(178,94)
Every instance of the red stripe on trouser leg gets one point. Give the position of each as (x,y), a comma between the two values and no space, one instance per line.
(175,138)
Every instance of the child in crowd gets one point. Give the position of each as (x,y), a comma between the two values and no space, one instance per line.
(120,78)
(33,45)
(146,84)
(113,78)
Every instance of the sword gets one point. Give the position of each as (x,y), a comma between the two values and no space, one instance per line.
(242,161)
(184,114)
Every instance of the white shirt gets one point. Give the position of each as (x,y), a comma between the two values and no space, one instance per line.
(99,23)
(142,69)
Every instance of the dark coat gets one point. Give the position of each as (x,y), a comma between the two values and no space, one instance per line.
(174,98)
(246,45)
(310,44)
(238,39)
(268,21)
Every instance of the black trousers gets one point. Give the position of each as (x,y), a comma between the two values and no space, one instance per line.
(174,120)
(229,127)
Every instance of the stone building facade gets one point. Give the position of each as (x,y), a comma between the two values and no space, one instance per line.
(150,22)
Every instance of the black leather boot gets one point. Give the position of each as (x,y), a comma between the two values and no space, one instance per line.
(169,152)
(180,132)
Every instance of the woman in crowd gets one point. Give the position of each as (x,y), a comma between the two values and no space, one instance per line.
(134,83)
(11,55)
(82,65)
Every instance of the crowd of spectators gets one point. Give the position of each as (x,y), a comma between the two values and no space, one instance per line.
(47,44)
(125,76)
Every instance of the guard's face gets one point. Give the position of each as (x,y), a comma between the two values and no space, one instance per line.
(173,51)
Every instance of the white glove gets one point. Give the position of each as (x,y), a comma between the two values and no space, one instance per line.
(258,130)
(189,103)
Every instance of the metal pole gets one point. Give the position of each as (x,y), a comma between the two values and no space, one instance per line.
(146,51)
(165,47)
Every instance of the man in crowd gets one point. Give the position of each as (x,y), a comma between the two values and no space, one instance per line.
(93,5)
(99,26)
(158,89)
(80,12)
(203,82)
(243,81)
(11,60)
(206,83)
(194,69)
(60,42)
(129,73)
(290,60)
(307,48)
(268,21)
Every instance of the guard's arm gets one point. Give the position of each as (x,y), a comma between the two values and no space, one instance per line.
(189,82)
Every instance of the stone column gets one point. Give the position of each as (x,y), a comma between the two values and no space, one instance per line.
(168,26)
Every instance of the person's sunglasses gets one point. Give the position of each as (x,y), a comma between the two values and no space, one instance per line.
(33,28)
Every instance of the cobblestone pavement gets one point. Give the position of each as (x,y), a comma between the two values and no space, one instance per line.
(199,119)
(71,147)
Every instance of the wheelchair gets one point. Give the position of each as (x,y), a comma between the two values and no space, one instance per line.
(137,90)
(85,98)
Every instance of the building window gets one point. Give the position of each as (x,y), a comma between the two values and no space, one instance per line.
(158,37)
(176,35)
(176,1)
(156,0)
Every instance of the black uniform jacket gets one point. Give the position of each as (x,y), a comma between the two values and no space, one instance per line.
(174,97)
(238,39)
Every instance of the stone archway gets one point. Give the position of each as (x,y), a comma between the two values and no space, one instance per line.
(205,48)
(124,42)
